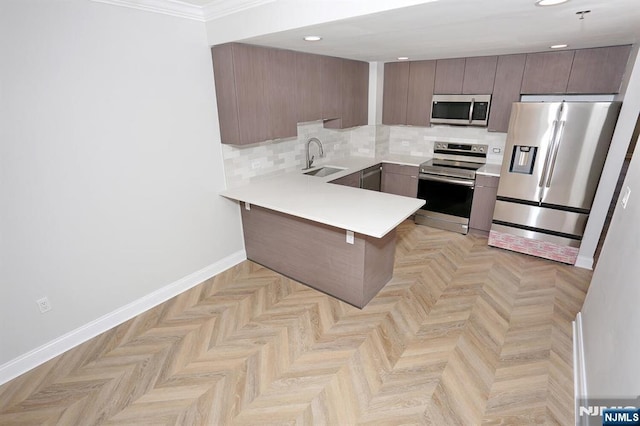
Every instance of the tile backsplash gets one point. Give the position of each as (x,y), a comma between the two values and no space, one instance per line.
(243,164)
(418,141)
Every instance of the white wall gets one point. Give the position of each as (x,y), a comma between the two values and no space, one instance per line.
(376,90)
(612,167)
(610,315)
(110,163)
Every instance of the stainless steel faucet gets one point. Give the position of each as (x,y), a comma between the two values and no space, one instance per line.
(309,161)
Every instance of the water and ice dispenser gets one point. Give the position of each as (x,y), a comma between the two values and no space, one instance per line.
(523,159)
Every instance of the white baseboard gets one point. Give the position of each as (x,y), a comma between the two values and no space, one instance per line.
(579,368)
(584,262)
(37,356)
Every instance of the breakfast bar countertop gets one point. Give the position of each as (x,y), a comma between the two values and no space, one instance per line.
(311,197)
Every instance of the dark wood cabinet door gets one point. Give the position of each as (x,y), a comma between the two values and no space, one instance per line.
(393,183)
(352,180)
(400,179)
(331,84)
(479,75)
(253,91)
(484,201)
(355,93)
(449,76)
(226,97)
(598,70)
(394,96)
(506,90)
(250,64)
(421,81)
(280,94)
(546,72)
(308,87)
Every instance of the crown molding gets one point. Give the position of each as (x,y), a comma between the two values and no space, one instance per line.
(213,10)
(219,8)
(166,7)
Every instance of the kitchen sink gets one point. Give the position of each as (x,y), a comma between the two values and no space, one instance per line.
(324,171)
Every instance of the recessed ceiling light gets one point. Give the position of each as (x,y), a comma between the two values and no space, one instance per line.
(559,46)
(312,38)
(403,58)
(550,2)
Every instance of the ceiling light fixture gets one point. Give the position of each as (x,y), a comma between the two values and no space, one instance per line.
(403,58)
(582,12)
(550,2)
(312,38)
(559,46)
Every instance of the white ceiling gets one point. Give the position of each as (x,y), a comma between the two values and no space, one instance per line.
(458,28)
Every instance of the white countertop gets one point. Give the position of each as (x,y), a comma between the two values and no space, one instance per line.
(365,212)
(490,170)
(311,197)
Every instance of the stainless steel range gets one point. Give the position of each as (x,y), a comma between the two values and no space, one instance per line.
(446,184)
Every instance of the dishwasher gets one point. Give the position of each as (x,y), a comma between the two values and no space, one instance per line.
(371,177)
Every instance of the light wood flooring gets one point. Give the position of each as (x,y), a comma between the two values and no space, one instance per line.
(464,334)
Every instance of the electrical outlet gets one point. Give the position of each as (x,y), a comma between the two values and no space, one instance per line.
(625,197)
(255,164)
(43,304)
(405,143)
(496,150)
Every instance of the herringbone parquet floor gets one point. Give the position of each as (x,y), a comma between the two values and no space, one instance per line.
(464,334)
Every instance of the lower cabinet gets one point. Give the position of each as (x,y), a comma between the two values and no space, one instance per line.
(400,179)
(349,180)
(484,201)
(354,272)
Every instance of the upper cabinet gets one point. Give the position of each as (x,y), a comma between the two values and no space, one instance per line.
(408,87)
(395,93)
(355,93)
(479,75)
(449,76)
(584,71)
(279,92)
(469,76)
(262,93)
(598,70)
(309,86)
(254,102)
(331,98)
(546,72)
(506,90)
(421,82)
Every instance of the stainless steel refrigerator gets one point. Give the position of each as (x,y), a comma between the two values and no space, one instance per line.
(552,163)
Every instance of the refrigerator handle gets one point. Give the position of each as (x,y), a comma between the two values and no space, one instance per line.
(547,158)
(554,154)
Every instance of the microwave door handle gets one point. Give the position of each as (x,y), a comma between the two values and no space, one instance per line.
(473,100)
(552,139)
(554,156)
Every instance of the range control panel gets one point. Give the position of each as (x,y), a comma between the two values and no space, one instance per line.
(470,149)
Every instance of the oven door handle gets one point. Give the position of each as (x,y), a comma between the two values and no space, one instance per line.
(447,179)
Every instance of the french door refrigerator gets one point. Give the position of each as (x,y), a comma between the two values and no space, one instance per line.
(552,163)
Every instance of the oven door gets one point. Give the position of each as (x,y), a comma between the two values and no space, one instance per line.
(448,202)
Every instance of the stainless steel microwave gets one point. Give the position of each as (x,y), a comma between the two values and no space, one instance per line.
(469,110)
